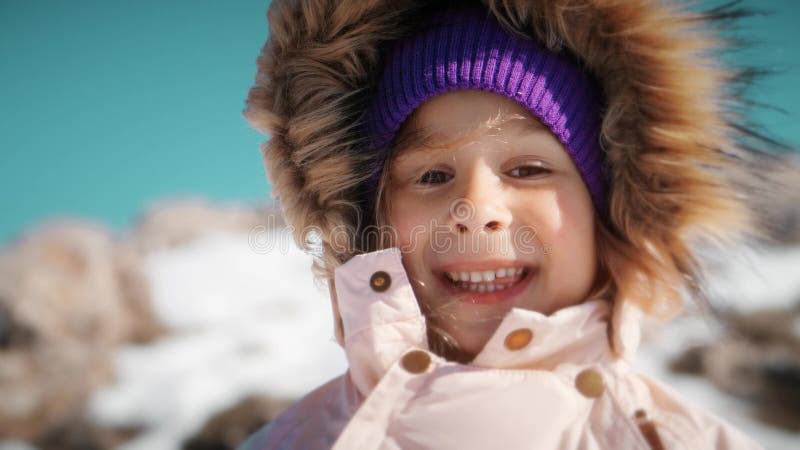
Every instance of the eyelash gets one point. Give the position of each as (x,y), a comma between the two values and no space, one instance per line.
(536,167)
(426,177)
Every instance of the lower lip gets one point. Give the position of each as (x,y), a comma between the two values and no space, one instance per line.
(486,298)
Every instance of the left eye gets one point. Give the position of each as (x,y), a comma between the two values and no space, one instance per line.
(527,170)
(434,177)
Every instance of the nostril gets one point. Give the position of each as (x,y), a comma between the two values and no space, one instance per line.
(461,228)
(493,225)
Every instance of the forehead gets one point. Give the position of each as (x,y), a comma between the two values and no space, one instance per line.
(457,112)
(450,118)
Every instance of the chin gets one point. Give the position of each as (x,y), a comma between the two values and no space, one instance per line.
(471,329)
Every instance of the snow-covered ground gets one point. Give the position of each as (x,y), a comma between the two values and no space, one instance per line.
(246,320)
(745,280)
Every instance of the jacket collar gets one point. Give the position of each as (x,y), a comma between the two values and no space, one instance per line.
(577,334)
(381,325)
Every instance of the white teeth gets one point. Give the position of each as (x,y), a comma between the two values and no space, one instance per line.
(478,287)
(484,287)
(485,275)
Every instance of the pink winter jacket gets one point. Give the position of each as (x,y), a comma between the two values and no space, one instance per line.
(541,382)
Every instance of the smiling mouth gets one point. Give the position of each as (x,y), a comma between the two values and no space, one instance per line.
(487,280)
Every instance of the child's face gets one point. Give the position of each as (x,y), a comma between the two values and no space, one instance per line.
(490,199)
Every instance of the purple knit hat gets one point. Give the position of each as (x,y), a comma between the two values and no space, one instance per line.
(466,48)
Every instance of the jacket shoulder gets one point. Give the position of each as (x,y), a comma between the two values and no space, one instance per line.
(682,421)
(313,422)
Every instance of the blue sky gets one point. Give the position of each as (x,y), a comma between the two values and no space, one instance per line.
(109,105)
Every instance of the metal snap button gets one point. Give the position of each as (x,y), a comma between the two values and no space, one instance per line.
(416,361)
(380,281)
(590,383)
(518,339)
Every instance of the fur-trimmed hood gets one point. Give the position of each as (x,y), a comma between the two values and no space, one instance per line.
(670,130)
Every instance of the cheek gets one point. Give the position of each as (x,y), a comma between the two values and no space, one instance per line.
(572,245)
(409,224)
(405,223)
(552,217)
(564,222)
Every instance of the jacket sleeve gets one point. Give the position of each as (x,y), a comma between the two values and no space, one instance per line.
(677,420)
(256,440)
(312,423)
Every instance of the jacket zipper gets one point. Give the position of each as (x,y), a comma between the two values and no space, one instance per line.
(648,429)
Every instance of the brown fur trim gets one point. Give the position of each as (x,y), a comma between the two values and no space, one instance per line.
(667,130)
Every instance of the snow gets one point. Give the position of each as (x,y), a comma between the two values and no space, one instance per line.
(757,277)
(668,343)
(243,321)
(744,279)
(246,319)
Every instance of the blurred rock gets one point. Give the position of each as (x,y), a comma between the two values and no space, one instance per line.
(231,427)
(172,223)
(79,434)
(69,295)
(758,359)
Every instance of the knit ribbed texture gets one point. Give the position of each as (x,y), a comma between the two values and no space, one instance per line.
(466,48)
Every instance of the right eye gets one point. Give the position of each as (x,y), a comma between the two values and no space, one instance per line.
(434,177)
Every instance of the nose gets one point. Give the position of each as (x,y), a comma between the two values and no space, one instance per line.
(482,205)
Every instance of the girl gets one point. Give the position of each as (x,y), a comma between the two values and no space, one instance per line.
(497,192)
